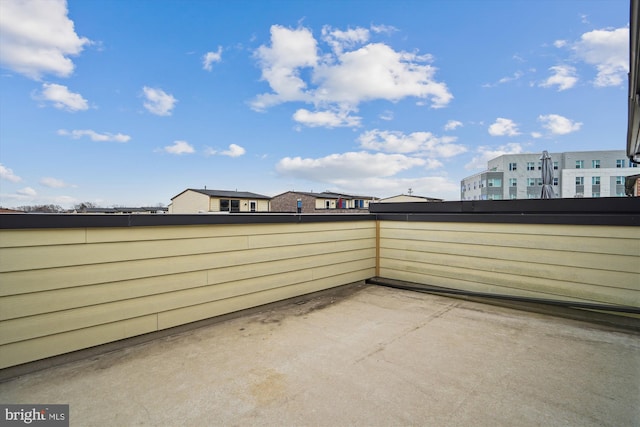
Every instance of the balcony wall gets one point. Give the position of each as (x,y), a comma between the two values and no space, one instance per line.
(65,289)
(580,250)
(69,282)
(596,264)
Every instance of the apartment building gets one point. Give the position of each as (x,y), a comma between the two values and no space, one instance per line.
(575,174)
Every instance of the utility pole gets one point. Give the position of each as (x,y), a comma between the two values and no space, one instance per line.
(410,191)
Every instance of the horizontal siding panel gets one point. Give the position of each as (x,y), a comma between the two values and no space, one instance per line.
(618,232)
(627,263)
(23,305)
(83,317)
(290,239)
(586,244)
(52,345)
(468,285)
(614,279)
(38,257)
(126,234)
(47,237)
(56,278)
(506,283)
(228,274)
(217,308)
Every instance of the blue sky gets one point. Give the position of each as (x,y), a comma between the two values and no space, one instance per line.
(128,103)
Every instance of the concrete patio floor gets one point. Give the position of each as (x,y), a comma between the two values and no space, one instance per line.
(363,356)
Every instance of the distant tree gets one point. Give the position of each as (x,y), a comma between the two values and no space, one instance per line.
(82,207)
(42,208)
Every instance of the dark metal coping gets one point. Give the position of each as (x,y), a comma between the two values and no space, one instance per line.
(31,220)
(617,211)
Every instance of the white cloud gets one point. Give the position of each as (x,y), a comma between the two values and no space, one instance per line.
(343,78)
(346,166)
(503,127)
(433,164)
(608,51)
(386,115)
(27,191)
(210,57)
(233,151)
(536,135)
(208,151)
(328,119)
(37,37)
(95,136)
(340,40)
(6,173)
(290,51)
(385,29)
(158,102)
(516,76)
(419,143)
(62,98)
(564,77)
(376,71)
(452,125)
(486,153)
(558,125)
(560,43)
(52,182)
(179,148)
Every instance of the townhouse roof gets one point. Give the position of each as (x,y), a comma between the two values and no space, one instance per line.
(226,193)
(329,195)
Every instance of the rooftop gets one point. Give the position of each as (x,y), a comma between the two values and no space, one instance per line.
(358,355)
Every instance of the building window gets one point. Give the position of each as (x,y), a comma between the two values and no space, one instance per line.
(494,182)
(513,182)
(555,166)
(531,166)
(555,181)
(252,205)
(513,166)
(620,163)
(595,194)
(229,205)
(539,166)
(595,164)
(327,204)
(595,180)
(579,164)
(531,182)
(579,180)
(620,180)
(632,165)
(538,181)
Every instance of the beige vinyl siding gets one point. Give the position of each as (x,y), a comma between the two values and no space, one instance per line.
(190,202)
(68,289)
(63,290)
(598,264)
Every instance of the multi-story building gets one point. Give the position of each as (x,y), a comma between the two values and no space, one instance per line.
(575,174)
